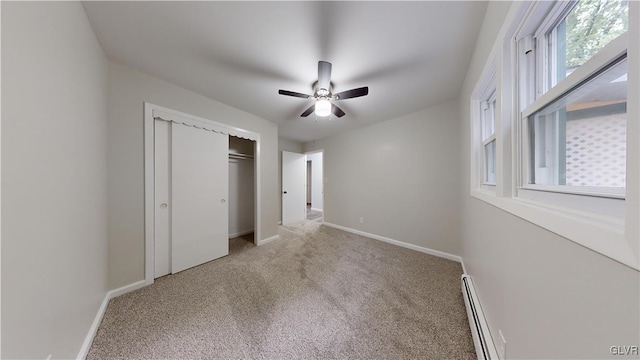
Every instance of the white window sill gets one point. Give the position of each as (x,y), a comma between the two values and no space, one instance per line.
(489,188)
(600,233)
(596,191)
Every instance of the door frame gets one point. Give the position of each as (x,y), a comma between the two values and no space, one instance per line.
(151,112)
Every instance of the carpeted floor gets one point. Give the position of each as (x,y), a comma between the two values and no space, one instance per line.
(241,243)
(317,292)
(314,215)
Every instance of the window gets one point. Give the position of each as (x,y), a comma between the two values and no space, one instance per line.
(484,130)
(588,26)
(573,133)
(579,140)
(488,108)
(559,146)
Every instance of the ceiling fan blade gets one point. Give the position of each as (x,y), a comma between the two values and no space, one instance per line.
(308,111)
(353,93)
(337,111)
(293,93)
(324,75)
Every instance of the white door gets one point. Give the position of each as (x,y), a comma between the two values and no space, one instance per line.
(162,258)
(199,190)
(294,181)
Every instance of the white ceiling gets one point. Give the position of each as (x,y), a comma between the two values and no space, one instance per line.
(410,54)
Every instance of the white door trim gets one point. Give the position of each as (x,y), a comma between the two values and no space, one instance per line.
(151,112)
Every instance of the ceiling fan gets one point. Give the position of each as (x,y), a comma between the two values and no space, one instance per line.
(323,94)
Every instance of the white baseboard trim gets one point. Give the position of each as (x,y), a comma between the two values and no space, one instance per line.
(86,345)
(268,240)
(240,233)
(127,288)
(399,243)
(94,328)
(464,268)
(316,209)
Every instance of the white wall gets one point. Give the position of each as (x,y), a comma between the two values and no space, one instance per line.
(316,180)
(401,176)
(54,191)
(241,195)
(550,297)
(284,145)
(128,90)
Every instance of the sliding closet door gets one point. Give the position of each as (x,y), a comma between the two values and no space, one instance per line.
(199,217)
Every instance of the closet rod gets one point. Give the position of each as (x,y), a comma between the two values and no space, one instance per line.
(240,156)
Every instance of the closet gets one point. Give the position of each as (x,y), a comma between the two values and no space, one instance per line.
(241,186)
(203,192)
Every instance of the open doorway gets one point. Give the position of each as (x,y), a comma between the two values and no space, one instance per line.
(302,187)
(315,188)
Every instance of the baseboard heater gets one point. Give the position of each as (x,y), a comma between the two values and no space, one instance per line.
(485,348)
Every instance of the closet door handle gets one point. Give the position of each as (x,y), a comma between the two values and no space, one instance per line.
(223,201)
(163,206)
(284,192)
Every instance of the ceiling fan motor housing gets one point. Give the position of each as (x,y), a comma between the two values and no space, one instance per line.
(320,93)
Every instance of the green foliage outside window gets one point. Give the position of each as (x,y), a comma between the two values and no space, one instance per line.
(592,24)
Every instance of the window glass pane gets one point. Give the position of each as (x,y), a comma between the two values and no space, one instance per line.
(580,139)
(490,162)
(586,29)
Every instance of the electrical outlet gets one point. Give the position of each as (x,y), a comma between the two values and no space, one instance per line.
(501,346)
(361,220)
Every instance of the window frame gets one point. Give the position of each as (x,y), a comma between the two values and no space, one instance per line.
(555,15)
(546,95)
(485,92)
(491,109)
(613,232)
(618,54)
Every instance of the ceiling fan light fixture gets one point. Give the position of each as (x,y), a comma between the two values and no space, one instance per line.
(323,94)
(323,107)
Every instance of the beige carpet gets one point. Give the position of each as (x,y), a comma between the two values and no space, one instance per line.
(314,215)
(316,293)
